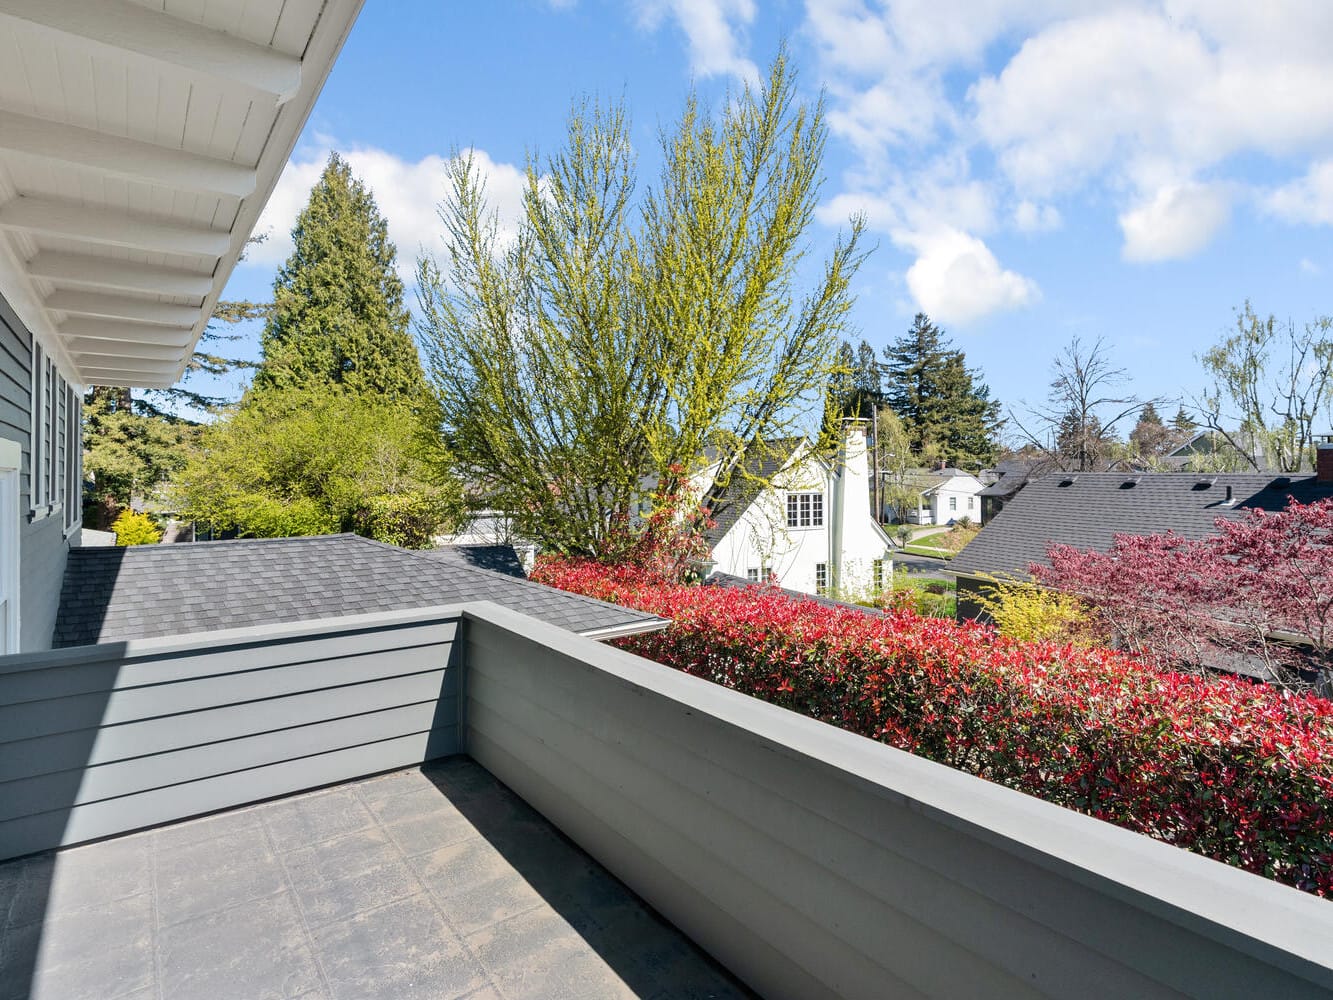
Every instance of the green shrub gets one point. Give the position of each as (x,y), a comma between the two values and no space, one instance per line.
(136,529)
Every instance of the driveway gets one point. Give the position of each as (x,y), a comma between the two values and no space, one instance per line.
(920,565)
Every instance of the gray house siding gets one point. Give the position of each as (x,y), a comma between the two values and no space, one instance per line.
(43,545)
(104,739)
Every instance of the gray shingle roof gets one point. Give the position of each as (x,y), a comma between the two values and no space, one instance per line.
(496,558)
(144,591)
(762,463)
(1087,509)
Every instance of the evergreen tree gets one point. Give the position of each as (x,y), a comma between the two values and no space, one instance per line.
(943,404)
(1151,437)
(338,316)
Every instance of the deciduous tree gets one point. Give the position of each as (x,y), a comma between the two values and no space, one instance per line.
(612,340)
(1271,383)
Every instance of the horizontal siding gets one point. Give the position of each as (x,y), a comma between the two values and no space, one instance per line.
(102,740)
(16,392)
(811,880)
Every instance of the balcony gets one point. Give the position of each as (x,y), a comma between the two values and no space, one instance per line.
(589,824)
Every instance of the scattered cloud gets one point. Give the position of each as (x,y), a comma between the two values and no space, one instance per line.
(406,192)
(1030,217)
(714,32)
(1168,110)
(1309,267)
(1176,222)
(1307,201)
(956,278)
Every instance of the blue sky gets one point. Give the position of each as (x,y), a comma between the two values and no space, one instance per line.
(1031,170)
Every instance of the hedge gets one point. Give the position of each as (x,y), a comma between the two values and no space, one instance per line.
(1236,771)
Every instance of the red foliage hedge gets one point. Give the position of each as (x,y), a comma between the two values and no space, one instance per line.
(1228,769)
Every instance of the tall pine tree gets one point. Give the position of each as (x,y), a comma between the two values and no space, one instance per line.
(338,315)
(944,406)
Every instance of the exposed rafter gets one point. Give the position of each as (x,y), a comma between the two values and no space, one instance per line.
(86,347)
(190,50)
(118,362)
(120,275)
(100,225)
(116,156)
(131,333)
(120,307)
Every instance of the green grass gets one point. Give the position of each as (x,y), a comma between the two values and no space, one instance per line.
(928,550)
(928,603)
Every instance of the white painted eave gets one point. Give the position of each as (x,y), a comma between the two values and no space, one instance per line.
(139,143)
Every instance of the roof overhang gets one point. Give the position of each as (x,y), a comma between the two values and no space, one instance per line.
(139,143)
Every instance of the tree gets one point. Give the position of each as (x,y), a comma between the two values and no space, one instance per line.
(1151,438)
(944,406)
(338,316)
(296,462)
(1077,424)
(1270,384)
(127,452)
(1185,603)
(609,342)
(136,529)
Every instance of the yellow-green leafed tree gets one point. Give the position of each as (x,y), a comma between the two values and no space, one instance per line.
(136,529)
(613,336)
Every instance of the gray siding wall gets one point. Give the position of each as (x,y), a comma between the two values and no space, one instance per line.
(99,740)
(42,543)
(815,863)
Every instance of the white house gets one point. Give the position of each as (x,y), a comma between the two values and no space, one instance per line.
(943,496)
(810,528)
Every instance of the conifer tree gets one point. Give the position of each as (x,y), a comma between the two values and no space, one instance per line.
(338,316)
(944,406)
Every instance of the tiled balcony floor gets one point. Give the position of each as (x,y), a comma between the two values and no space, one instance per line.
(432,883)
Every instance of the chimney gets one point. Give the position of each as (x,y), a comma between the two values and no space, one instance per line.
(1323,464)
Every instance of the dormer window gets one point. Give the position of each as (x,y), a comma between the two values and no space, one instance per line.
(805,510)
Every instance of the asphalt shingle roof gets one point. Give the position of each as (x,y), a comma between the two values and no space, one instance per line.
(145,591)
(496,558)
(1087,509)
(762,463)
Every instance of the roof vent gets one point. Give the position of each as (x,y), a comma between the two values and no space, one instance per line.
(1130,483)
(1204,484)
(1067,481)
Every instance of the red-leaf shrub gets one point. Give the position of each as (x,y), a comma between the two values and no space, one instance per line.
(1236,771)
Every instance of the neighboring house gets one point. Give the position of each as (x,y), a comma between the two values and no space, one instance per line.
(811,529)
(943,497)
(1087,509)
(1008,477)
(1211,450)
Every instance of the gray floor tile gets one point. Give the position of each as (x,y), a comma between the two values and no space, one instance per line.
(195,831)
(327,898)
(423,800)
(490,902)
(579,977)
(387,786)
(459,867)
(430,831)
(345,855)
(311,819)
(97,873)
(252,952)
(25,890)
(538,939)
(97,952)
(214,874)
(402,951)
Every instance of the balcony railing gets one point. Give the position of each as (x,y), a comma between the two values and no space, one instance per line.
(809,861)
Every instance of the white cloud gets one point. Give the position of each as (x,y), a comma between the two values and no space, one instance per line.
(1132,101)
(1307,201)
(956,278)
(714,31)
(1176,222)
(1309,267)
(407,192)
(1030,217)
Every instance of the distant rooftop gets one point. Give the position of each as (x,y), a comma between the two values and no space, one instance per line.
(145,591)
(1087,509)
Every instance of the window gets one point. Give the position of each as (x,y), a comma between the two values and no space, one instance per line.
(953,503)
(971,502)
(821,578)
(877,575)
(805,510)
(752,574)
(57,457)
